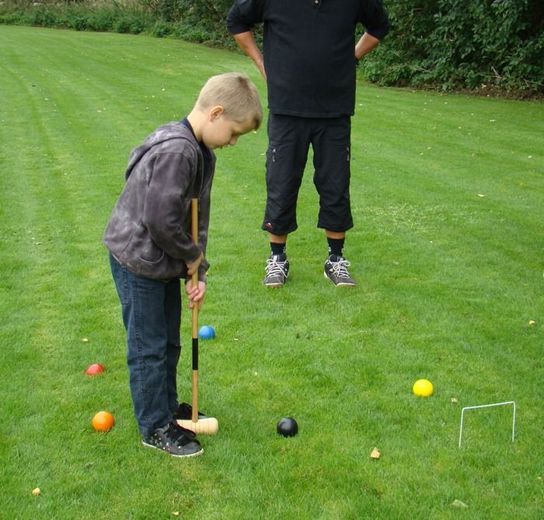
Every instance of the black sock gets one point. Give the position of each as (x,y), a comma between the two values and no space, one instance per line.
(336,245)
(277,249)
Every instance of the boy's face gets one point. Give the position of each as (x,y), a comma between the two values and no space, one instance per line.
(221,131)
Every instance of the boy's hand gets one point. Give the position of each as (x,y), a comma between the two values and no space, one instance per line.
(192,267)
(195,293)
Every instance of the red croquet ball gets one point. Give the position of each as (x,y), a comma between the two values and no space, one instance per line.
(95,369)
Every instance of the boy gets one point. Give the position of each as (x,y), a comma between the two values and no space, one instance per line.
(150,245)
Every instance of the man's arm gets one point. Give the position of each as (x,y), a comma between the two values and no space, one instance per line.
(376,22)
(241,18)
(366,44)
(246,42)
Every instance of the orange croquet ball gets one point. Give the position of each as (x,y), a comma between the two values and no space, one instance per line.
(103,421)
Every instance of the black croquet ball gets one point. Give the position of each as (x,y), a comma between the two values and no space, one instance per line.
(287,427)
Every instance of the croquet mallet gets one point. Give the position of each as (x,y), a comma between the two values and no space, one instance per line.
(207,425)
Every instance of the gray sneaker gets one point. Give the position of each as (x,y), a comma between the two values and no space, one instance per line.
(277,270)
(174,440)
(336,270)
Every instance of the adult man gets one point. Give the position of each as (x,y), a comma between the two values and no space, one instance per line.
(309,65)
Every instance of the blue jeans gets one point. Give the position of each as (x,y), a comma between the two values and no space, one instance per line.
(152,316)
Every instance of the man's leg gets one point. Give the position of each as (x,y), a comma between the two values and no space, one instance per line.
(277,265)
(285,163)
(336,242)
(331,143)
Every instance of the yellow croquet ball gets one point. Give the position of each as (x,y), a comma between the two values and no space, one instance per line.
(423,388)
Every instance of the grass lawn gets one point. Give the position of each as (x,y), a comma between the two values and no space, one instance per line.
(447,195)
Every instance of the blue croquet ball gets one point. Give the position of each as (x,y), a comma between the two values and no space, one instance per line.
(287,427)
(206,332)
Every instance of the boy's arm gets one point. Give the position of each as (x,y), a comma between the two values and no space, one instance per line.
(204,215)
(167,206)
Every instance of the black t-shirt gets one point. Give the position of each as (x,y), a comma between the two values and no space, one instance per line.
(309,50)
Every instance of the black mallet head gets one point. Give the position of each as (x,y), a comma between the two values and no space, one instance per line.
(287,427)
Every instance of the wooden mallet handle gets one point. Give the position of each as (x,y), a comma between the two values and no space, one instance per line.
(194,233)
(209,425)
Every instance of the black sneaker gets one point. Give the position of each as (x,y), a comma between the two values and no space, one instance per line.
(174,440)
(185,413)
(277,270)
(336,270)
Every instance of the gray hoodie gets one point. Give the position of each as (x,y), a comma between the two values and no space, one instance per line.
(149,231)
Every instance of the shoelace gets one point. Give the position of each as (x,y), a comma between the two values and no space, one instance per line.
(273,267)
(340,268)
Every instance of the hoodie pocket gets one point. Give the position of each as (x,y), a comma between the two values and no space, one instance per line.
(150,253)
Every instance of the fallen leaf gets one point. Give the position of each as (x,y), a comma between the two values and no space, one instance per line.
(532,322)
(454,400)
(36,492)
(458,503)
(375,454)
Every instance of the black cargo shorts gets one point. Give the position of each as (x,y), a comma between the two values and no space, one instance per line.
(289,142)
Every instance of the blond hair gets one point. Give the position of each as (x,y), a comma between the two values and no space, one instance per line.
(236,93)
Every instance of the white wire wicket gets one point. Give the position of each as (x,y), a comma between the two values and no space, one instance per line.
(506,403)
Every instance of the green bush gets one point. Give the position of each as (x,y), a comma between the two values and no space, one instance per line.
(455,44)
(79,18)
(101,21)
(15,17)
(478,45)
(162,29)
(45,17)
(130,23)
